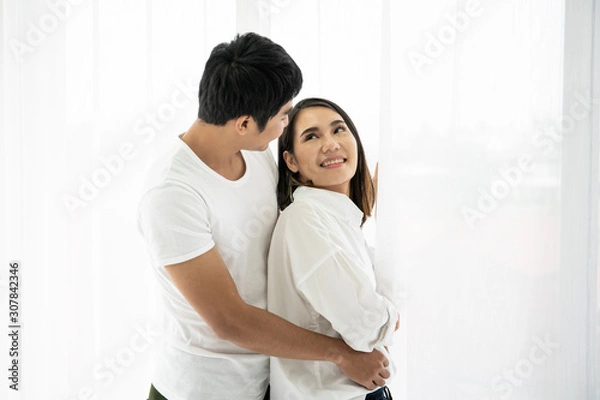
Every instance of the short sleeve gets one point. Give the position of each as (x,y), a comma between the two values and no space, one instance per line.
(174,223)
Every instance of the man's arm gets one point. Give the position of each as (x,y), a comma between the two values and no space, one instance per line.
(207,285)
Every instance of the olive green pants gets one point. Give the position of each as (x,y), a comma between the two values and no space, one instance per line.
(154,395)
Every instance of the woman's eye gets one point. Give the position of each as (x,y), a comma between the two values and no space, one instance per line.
(310,136)
(339,129)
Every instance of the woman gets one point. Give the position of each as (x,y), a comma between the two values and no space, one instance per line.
(320,274)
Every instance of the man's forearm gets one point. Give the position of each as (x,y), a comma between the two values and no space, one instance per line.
(208,287)
(263,332)
(266,333)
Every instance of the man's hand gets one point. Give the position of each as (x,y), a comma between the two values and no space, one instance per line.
(366,369)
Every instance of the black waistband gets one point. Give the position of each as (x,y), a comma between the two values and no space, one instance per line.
(380,394)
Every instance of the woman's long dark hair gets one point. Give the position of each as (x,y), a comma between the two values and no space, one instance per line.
(362,191)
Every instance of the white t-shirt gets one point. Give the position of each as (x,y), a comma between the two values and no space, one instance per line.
(321,278)
(186,210)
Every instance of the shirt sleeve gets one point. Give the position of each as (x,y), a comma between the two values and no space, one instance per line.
(341,292)
(333,281)
(174,223)
(386,276)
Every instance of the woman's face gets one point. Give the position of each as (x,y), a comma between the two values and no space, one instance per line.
(324,150)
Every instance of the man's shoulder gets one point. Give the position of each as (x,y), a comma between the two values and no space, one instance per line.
(264,158)
(171,169)
(169,181)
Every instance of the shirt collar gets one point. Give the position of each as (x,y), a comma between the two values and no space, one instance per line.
(335,203)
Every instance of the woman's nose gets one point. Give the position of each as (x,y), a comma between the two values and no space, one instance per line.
(330,144)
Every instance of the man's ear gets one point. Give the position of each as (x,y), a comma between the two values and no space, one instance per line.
(290,160)
(242,124)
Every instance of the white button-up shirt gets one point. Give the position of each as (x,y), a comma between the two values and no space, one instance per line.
(321,278)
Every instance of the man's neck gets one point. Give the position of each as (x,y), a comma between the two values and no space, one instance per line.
(215,146)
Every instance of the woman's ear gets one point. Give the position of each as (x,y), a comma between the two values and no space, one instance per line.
(290,160)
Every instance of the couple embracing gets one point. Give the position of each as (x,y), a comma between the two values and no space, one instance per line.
(267,284)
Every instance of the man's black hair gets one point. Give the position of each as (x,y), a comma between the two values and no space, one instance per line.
(252,76)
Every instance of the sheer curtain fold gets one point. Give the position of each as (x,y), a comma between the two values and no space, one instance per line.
(579,197)
(483,116)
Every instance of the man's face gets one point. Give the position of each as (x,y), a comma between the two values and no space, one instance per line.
(273,129)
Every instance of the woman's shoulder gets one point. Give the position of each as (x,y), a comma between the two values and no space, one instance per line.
(301,226)
(299,210)
(302,213)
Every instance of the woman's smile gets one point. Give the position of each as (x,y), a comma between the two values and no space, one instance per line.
(333,162)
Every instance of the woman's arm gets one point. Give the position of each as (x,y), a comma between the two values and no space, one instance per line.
(340,290)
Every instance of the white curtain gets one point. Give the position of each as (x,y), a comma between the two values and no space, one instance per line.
(483,116)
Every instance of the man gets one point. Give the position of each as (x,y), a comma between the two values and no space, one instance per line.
(207,218)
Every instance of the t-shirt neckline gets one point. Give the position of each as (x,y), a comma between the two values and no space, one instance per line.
(211,171)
